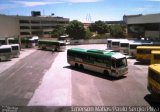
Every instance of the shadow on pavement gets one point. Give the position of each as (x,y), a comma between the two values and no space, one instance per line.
(141,63)
(153,102)
(100,75)
(130,57)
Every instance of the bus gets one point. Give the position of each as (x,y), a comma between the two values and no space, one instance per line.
(155,57)
(27,43)
(52,45)
(115,44)
(123,47)
(15,50)
(5,52)
(108,63)
(109,43)
(132,49)
(153,84)
(144,52)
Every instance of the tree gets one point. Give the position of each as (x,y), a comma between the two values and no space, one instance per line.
(58,31)
(76,30)
(88,34)
(99,26)
(117,30)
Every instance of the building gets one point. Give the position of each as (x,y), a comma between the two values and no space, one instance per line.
(143,26)
(25,26)
(114,22)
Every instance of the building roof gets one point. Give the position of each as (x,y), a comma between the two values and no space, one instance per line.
(143,19)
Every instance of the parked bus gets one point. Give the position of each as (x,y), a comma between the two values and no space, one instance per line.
(154,80)
(27,43)
(5,52)
(108,63)
(123,46)
(52,45)
(132,49)
(15,50)
(115,44)
(155,57)
(144,52)
(109,43)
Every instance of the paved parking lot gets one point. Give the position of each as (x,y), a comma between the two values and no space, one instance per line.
(42,78)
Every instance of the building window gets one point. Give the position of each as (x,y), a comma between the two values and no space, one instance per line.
(24,27)
(35,22)
(25,33)
(24,21)
(35,27)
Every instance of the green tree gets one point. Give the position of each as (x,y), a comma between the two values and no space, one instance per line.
(99,26)
(88,34)
(76,30)
(117,30)
(58,31)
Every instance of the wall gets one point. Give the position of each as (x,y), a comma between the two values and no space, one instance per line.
(9,26)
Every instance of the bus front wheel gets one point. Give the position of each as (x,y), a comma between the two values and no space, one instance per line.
(81,66)
(106,73)
(76,65)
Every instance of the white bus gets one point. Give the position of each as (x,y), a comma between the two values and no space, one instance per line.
(132,49)
(5,52)
(123,46)
(108,63)
(109,43)
(115,44)
(15,50)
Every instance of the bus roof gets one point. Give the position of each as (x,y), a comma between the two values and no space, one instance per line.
(155,67)
(51,40)
(155,52)
(14,44)
(148,47)
(100,52)
(5,46)
(134,43)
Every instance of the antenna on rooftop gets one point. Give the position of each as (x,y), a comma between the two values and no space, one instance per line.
(88,17)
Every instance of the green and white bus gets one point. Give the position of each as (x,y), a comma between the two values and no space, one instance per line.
(52,45)
(5,52)
(105,62)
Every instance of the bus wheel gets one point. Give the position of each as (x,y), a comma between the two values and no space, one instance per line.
(76,65)
(81,66)
(106,73)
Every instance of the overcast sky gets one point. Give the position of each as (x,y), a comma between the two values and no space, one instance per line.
(82,10)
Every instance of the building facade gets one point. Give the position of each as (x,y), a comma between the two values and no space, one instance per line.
(25,26)
(143,26)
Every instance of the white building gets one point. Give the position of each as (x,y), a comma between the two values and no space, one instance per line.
(24,26)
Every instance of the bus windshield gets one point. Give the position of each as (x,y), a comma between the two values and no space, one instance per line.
(118,63)
(15,48)
(62,44)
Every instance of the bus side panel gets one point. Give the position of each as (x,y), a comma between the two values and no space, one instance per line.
(143,57)
(88,66)
(153,87)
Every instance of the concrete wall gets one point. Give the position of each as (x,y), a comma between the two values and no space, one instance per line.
(9,26)
(89,41)
(152,34)
(150,18)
